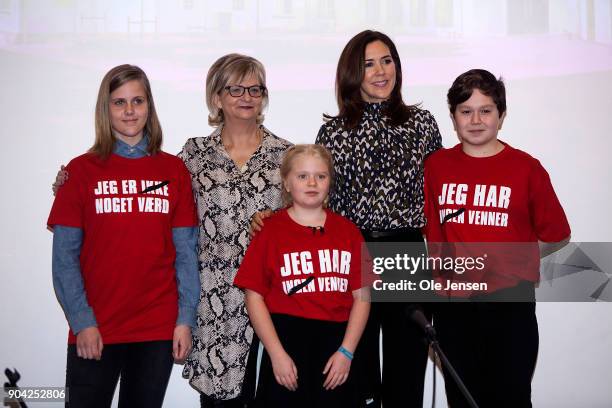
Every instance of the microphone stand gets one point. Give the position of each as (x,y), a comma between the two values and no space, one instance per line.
(430,335)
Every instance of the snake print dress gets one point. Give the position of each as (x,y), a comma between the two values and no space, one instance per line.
(227,197)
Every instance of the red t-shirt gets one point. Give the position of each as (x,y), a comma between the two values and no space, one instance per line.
(505,200)
(127,256)
(285,254)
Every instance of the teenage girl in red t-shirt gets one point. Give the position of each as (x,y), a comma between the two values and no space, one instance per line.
(125,266)
(304,294)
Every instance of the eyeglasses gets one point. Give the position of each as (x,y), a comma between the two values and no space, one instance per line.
(256,91)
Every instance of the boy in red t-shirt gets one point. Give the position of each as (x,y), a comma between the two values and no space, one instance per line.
(304,292)
(499,200)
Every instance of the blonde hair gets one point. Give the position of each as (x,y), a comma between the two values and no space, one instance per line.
(232,67)
(115,78)
(311,150)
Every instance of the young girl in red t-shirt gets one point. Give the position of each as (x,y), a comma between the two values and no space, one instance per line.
(304,291)
(125,267)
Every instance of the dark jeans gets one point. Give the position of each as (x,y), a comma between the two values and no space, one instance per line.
(493,346)
(144,369)
(404,349)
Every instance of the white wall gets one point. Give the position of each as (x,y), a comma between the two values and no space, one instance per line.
(559,97)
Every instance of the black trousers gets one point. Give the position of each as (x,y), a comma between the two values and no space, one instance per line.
(404,349)
(144,369)
(310,343)
(247,396)
(493,347)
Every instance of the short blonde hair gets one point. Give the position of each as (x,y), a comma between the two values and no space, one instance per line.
(232,67)
(311,150)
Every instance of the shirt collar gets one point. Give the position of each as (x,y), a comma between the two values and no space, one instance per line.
(132,152)
(376,109)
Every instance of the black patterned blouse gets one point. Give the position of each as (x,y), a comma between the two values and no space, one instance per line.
(227,197)
(379,168)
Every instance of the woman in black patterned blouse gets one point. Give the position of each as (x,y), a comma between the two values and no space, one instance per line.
(379,145)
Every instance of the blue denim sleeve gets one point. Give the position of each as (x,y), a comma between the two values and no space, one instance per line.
(187,273)
(67,278)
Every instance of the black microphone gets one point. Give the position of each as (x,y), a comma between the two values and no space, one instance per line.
(415,313)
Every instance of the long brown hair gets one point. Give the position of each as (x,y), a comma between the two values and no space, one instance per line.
(103,145)
(350,74)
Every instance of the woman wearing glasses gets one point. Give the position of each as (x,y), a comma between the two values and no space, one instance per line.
(235,172)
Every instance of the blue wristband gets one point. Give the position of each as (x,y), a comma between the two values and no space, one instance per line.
(347,353)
